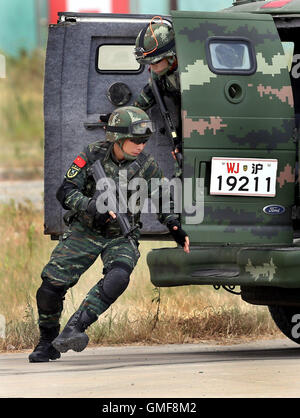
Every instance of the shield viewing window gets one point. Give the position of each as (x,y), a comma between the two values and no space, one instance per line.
(116,58)
(230,56)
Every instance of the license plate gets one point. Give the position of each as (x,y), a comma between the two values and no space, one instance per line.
(243,176)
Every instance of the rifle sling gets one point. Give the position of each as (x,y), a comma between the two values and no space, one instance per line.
(136,165)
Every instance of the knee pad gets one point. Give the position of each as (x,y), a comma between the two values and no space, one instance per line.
(114,282)
(50,298)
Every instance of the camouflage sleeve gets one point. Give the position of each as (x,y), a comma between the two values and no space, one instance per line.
(74,183)
(159,192)
(146,98)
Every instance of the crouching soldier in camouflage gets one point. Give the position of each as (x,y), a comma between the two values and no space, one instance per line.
(92,233)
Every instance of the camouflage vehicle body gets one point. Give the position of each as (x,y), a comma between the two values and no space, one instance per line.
(245,114)
(236,238)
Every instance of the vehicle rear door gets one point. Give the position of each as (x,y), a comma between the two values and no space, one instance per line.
(89,60)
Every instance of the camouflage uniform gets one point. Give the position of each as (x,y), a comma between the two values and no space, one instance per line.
(92,233)
(169,86)
(82,243)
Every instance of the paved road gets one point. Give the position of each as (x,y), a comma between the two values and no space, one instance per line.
(257,369)
(261,369)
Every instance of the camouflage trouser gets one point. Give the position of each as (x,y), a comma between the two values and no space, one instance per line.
(75,253)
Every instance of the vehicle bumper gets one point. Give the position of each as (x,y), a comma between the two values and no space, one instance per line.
(226,265)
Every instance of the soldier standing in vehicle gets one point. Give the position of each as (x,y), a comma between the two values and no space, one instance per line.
(92,233)
(155,46)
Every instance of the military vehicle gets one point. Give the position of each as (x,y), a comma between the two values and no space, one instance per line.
(240,106)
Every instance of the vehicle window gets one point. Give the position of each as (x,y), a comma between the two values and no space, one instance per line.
(231,56)
(111,58)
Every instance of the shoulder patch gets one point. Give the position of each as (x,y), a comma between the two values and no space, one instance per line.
(73,171)
(79,161)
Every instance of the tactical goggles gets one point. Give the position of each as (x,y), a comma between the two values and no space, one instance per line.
(141,127)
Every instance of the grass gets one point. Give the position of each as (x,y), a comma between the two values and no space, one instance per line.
(142,315)
(21,116)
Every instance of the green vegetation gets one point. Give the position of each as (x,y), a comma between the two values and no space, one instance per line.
(143,314)
(21,116)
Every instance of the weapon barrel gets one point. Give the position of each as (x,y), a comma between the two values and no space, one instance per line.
(171,130)
(99,173)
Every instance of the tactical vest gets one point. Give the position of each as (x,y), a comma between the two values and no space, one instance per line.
(103,152)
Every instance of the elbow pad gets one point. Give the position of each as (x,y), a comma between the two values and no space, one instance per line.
(63,191)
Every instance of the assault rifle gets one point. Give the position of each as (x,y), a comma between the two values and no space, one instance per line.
(122,218)
(169,125)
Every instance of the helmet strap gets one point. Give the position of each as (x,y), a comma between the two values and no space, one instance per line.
(173,63)
(127,157)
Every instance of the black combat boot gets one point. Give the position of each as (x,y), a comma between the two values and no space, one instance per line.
(44,351)
(73,336)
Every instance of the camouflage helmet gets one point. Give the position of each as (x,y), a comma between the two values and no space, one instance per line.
(155,42)
(129,122)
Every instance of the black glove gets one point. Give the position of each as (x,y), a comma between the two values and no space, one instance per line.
(178,234)
(91,207)
(99,218)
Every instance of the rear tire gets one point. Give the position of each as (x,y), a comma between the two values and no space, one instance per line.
(287,319)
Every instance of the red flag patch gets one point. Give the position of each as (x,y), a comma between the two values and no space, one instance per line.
(79,161)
